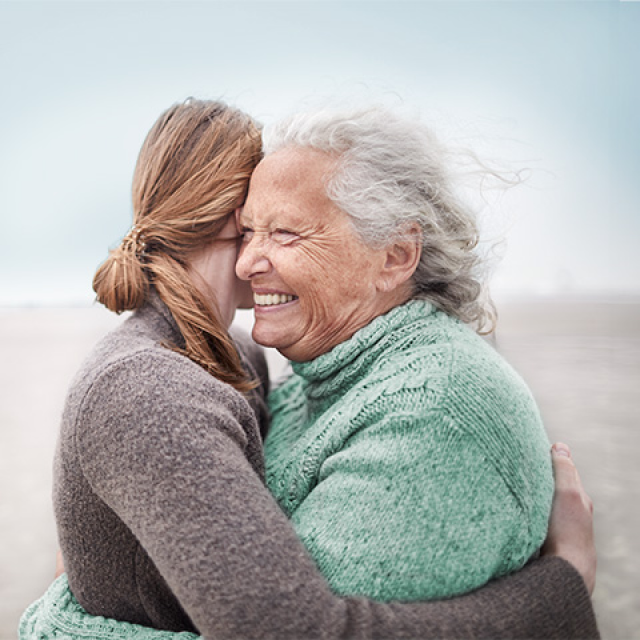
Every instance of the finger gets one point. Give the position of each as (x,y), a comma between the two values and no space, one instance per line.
(561,449)
(564,470)
(59,564)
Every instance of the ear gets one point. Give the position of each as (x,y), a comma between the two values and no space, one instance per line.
(400,260)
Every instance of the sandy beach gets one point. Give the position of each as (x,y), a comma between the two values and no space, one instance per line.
(581,359)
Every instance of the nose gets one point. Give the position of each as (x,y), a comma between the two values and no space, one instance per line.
(252,258)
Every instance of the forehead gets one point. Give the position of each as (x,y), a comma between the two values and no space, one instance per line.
(290,180)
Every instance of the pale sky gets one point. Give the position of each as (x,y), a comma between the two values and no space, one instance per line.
(548,86)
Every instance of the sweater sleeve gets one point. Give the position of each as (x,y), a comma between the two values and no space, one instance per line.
(230,555)
(170,461)
(411,510)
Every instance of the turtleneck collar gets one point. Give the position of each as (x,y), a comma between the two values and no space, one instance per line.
(343,365)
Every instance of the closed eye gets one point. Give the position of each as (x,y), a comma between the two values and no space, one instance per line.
(284,236)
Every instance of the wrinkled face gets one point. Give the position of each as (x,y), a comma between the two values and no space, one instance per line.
(214,266)
(314,281)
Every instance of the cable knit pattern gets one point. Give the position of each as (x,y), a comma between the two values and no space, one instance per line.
(411,459)
(58,616)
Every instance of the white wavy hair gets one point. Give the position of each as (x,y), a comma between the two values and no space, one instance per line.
(390,173)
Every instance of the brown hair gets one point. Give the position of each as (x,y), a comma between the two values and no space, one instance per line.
(192,172)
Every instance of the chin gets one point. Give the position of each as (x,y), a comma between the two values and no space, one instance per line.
(259,337)
(264,339)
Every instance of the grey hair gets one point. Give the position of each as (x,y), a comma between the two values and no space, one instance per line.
(391,173)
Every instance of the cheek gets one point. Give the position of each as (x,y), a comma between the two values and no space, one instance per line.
(228,267)
(244,294)
(311,277)
(328,278)
(333,296)
(316,267)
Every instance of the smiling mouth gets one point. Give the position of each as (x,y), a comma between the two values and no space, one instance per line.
(272,299)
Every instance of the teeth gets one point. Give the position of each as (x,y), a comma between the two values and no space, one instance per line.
(271,299)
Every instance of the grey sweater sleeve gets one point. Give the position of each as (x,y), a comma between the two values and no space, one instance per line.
(170,461)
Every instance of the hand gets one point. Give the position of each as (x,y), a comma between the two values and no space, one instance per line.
(570,533)
(59,564)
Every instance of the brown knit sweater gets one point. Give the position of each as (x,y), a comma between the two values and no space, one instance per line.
(164,519)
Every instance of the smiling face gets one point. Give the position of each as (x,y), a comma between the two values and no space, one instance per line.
(315,282)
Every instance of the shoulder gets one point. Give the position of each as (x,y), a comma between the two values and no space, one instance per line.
(136,384)
(417,362)
(451,363)
(485,396)
(126,354)
(492,405)
(458,391)
(483,381)
(451,371)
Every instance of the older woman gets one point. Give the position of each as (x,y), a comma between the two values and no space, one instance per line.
(163,515)
(409,456)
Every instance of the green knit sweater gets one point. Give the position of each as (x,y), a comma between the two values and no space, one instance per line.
(411,459)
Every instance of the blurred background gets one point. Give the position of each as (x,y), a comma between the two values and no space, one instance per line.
(547,90)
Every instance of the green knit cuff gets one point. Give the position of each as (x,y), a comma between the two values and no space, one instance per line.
(58,616)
